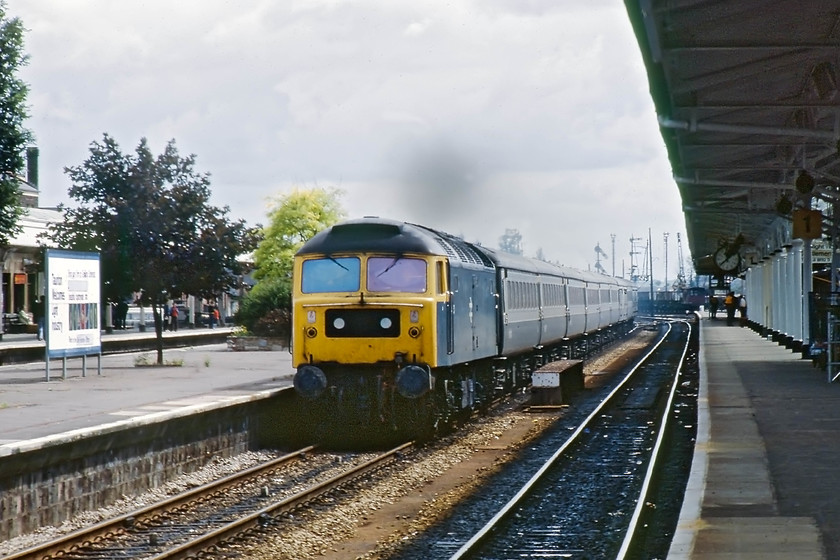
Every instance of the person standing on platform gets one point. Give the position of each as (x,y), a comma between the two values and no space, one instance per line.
(742,308)
(122,314)
(38,312)
(729,304)
(713,306)
(167,316)
(173,318)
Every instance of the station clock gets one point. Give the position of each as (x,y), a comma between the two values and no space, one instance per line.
(727,261)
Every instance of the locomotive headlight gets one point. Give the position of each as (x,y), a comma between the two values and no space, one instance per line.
(414,332)
(310,317)
(311,332)
(385,323)
(338,323)
(414,316)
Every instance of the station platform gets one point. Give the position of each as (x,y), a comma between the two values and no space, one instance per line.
(91,395)
(765,480)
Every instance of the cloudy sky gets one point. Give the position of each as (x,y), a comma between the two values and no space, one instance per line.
(471,116)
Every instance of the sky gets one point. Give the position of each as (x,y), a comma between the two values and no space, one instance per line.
(469,116)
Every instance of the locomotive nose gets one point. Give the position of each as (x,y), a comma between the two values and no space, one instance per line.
(310,381)
(413,382)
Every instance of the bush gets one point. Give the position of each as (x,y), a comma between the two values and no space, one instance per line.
(276,324)
(262,305)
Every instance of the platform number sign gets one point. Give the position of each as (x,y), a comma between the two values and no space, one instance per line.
(807,224)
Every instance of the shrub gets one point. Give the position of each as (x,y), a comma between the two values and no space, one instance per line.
(261,304)
(277,323)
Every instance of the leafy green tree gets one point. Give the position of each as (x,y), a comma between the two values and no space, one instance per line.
(13,112)
(13,135)
(151,221)
(294,218)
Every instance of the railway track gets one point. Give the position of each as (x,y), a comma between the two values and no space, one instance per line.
(210,515)
(588,490)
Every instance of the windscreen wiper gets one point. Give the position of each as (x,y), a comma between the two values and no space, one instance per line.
(338,263)
(390,266)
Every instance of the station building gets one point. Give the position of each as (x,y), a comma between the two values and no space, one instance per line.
(23,278)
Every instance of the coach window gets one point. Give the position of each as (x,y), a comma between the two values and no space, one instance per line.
(396,274)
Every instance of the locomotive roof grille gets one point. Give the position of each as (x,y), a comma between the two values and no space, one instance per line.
(462,250)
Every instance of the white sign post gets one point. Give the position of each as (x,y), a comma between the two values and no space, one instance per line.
(71,314)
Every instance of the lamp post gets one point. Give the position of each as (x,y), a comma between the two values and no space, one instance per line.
(666,264)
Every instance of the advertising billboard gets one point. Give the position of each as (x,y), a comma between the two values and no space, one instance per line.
(72,305)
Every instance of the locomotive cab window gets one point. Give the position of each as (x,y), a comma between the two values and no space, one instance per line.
(396,274)
(342,274)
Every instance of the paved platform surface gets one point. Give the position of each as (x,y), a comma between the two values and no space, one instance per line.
(765,482)
(32,407)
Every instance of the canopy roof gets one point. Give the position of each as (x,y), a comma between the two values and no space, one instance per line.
(746,94)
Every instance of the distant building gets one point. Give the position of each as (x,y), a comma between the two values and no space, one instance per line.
(23,277)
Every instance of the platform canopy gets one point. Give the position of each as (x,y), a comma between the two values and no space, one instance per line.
(746,94)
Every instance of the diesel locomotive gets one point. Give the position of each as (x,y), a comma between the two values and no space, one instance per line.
(402,328)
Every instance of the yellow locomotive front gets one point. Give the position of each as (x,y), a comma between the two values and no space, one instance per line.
(363,309)
(364,331)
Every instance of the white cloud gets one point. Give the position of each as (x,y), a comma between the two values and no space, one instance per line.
(470,116)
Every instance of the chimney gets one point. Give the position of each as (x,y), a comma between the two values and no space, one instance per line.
(32,166)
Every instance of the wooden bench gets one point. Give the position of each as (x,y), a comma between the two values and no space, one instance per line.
(13,325)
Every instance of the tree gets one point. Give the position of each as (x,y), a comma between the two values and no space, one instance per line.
(294,219)
(13,135)
(511,242)
(150,219)
(13,112)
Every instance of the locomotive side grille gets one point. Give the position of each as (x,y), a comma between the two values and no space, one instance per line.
(362,323)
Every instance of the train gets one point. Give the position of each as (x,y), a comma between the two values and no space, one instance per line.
(404,329)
